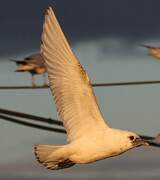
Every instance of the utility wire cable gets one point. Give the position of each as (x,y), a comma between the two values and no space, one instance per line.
(127,83)
(32,125)
(31,117)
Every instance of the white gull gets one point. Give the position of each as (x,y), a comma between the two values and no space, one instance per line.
(89,136)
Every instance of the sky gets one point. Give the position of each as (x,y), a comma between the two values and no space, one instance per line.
(132,21)
(106,36)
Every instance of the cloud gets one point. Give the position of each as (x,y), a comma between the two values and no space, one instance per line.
(110,48)
(21,22)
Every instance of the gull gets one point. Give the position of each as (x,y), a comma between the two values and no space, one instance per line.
(34,64)
(89,136)
(153,51)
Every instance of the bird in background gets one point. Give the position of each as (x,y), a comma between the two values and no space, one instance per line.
(153,51)
(34,64)
(89,136)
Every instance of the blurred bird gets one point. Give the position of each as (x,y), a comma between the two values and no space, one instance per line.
(33,64)
(153,51)
(89,136)
(157,139)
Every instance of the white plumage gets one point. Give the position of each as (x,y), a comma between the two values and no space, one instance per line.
(89,137)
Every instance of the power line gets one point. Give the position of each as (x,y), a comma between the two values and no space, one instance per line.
(31,117)
(32,125)
(127,83)
(22,87)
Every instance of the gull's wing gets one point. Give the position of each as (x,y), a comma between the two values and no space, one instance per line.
(70,85)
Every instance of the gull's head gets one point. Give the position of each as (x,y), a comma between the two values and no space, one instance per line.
(134,140)
(125,140)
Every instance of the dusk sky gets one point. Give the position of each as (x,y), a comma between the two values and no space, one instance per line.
(106,36)
(133,21)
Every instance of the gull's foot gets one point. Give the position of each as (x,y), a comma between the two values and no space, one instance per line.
(45,85)
(34,85)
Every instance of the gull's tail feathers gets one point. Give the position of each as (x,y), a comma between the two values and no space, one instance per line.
(147,46)
(53,157)
(157,139)
(18,61)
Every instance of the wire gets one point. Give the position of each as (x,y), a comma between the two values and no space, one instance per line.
(31,117)
(147,137)
(22,87)
(94,85)
(42,127)
(125,83)
(45,120)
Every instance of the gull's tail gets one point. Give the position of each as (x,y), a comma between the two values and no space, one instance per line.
(17,61)
(157,139)
(54,157)
(21,65)
(146,46)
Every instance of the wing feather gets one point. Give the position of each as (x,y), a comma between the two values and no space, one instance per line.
(70,84)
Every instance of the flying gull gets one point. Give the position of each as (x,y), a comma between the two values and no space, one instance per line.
(90,138)
(34,64)
(153,51)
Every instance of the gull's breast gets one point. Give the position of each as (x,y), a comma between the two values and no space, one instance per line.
(88,150)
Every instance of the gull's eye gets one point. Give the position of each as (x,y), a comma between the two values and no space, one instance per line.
(131,138)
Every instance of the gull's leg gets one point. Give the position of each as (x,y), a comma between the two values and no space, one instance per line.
(33,80)
(44,79)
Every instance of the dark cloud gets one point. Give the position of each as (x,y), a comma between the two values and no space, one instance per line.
(21,21)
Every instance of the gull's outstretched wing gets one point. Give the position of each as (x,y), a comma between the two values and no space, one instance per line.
(70,85)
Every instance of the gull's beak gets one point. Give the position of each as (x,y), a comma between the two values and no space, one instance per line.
(139,142)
